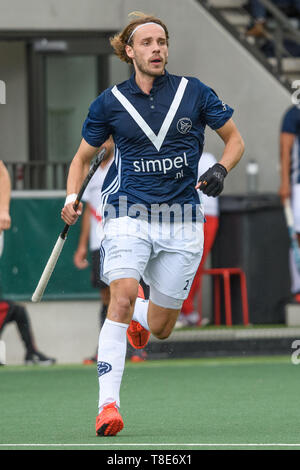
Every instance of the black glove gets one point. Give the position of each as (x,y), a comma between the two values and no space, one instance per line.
(212,181)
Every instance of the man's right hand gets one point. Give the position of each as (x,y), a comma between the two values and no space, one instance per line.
(69,215)
(80,260)
(5,220)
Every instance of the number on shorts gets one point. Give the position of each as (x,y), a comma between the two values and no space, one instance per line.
(187,283)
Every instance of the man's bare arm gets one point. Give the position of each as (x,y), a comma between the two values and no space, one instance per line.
(78,170)
(80,166)
(286,145)
(234,145)
(5,195)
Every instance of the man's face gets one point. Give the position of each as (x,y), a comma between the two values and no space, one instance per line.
(149,51)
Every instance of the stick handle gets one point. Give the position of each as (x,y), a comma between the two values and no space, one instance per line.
(39,291)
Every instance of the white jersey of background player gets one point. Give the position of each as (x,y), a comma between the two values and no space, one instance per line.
(92,195)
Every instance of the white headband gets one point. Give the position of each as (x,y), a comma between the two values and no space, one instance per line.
(139,26)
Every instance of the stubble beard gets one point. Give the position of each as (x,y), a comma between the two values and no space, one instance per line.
(142,68)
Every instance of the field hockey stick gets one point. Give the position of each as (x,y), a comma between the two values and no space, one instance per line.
(42,284)
(293,235)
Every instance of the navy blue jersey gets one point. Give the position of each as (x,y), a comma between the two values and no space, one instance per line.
(291,124)
(159,138)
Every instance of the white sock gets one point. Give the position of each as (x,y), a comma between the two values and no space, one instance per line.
(140,313)
(111,361)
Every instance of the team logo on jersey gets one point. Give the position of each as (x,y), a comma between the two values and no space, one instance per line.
(103,368)
(184,125)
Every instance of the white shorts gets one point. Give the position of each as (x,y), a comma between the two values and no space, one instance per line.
(295,202)
(166,257)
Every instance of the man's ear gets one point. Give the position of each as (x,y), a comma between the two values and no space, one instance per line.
(129,51)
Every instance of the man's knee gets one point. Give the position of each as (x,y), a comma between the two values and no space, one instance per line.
(122,302)
(123,295)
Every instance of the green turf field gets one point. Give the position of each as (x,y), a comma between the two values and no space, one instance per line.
(249,403)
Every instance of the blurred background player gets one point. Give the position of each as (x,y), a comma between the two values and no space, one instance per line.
(10,311)
(91,234)
(290,179)
(189,316)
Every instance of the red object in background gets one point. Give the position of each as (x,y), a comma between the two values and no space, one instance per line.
(19,176)
(297,298)
(4,307)
(226,273)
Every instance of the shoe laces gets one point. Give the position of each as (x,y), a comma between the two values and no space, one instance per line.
(136,327)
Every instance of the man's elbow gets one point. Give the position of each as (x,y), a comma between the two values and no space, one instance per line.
(240,145)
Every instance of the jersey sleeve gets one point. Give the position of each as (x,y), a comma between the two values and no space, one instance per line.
(215,112)
(95,129)
(291,121)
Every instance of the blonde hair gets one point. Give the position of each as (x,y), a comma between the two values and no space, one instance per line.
(120,40)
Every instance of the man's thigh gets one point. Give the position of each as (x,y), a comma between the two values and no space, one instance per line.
(123,255)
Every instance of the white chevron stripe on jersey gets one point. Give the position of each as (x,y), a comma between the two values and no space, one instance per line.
(157,140)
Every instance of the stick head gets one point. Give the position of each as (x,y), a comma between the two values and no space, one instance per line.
(36,297)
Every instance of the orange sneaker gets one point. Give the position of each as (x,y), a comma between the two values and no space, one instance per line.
(137,335)
(109,422)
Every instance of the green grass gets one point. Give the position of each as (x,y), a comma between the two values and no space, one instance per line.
(171,404)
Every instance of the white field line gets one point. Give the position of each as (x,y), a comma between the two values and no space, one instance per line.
(205,444)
